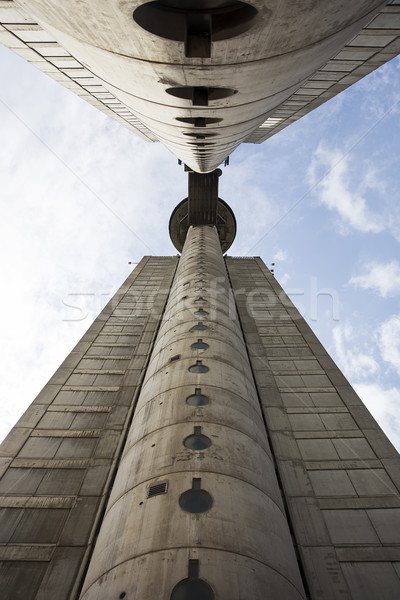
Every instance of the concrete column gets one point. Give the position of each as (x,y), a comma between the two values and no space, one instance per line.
(196,510)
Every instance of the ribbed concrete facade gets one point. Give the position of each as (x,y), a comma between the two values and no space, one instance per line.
(215,451)
(340,474)
(59,461)
(203,76)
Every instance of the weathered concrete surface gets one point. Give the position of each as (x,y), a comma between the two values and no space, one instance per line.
(339,472)
(375,44)
(59,460)
(338,475)
(287,44)
(242,542)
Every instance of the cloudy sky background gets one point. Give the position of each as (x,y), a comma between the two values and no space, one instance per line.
(81,196)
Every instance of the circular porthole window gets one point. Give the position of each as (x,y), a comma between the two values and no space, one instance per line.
(199,121)
(195,589)
(199,345)
(212,93)
(197,399)
(198,367)
(195,501)
(197,441)
(170,19)
(199,327)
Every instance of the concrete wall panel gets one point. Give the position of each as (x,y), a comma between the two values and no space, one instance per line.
(60,458)
(341,495)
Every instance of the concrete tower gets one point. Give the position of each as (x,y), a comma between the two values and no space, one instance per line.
(199,443)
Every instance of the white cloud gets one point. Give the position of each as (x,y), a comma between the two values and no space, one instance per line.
(380,277)
(57,238)
(280,254)
(284,279)
(384,407)
(243,176)
(382,89)
(389,341)
(329,174)
(353,362)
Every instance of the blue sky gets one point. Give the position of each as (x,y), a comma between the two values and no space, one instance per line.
(81,196)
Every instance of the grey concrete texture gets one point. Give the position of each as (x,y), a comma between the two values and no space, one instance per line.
(59,460)
(263,66)
(376,43)
(338,475)
(341,494)
(246,522)
(226,406)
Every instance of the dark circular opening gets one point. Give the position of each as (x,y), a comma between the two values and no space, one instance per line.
(195,501)
(200,345)
(198,368)
(168,18)
(197,442)
(200,136)
(198,121)
(186,93)
(199,327)
(197,400)
(192,589)
(202,145)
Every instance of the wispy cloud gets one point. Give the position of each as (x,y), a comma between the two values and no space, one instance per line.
(60,243)
(280,255)
(384,406)
(383,89)
(383,278)
(389,341)
(329,172)
(354,362)
(284,279)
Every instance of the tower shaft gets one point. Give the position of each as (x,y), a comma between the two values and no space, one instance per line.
(196,483)
(297,453)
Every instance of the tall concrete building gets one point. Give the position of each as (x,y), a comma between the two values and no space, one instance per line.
(198,442)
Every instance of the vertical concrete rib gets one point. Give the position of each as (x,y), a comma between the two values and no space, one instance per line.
(196,507)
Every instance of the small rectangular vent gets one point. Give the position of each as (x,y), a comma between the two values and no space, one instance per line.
(176,357)
(157,489)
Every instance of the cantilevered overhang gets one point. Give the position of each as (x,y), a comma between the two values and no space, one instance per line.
(377,43)
(292,57)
